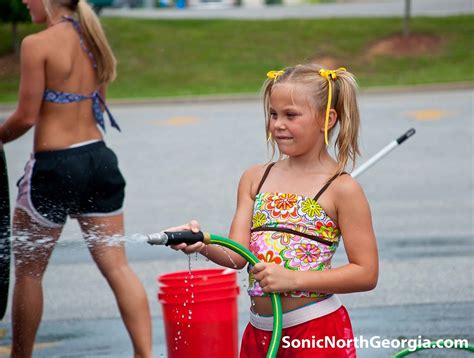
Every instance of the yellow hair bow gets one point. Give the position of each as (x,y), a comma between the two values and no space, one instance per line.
(329,74)
(273,75)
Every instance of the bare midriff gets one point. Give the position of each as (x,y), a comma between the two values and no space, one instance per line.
(61,125)
(263,305)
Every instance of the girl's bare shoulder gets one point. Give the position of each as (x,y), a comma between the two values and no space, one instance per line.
(39,41)
(256,172)
(346,187)
(253,175)
(33,47)
(48,39)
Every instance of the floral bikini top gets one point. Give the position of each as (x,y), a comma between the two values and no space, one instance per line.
(54,96)
(293,231)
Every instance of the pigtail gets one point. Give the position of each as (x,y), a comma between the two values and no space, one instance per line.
(267,90)
(346,145)
(273,77)
(97,43)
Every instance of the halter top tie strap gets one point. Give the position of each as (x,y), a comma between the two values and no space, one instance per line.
(54,96)
(64,97)
(78,29)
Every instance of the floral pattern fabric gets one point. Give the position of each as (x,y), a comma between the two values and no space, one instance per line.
(294,252)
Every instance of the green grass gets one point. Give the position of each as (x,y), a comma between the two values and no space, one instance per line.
(159,58)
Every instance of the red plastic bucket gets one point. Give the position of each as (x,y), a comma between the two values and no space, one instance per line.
(204,277)
(193,291)
(202,321)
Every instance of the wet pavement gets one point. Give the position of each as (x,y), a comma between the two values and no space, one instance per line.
(184,160)
(108,338)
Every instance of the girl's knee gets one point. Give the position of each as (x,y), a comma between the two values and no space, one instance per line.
(121,271)
(28,274)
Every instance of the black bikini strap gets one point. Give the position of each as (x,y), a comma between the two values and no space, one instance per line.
(323,189)
(265,176)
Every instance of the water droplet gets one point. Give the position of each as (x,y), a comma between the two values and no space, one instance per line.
(228,255)
(189,265)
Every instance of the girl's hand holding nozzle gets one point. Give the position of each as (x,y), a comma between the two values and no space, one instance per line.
(193,226)
(190,239)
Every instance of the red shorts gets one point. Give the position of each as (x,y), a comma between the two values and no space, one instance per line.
(302,341)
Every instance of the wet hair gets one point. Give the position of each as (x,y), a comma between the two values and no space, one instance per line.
(344,102)
(93,33)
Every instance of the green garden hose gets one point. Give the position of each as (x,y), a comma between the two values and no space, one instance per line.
(275,297)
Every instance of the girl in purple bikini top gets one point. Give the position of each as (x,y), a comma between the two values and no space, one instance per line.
(54,96)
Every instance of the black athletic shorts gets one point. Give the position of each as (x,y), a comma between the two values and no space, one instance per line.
(79,181)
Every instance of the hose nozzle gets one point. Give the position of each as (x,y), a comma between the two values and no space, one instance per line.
(158,238)
(178,237)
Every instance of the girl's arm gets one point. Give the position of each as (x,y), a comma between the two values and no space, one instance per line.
(32,85)
(360,274)
(239,230)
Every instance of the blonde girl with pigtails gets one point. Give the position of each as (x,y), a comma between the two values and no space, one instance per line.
(293,213)
(65,70)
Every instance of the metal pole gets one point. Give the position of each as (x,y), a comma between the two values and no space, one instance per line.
(382,153)
(406,19)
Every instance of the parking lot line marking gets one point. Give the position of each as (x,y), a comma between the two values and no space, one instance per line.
(6,350)
(177,121)
(429,115)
